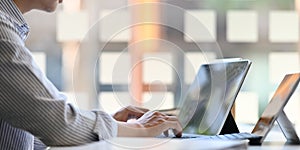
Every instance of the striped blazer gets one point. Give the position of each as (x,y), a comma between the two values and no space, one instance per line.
(30,105)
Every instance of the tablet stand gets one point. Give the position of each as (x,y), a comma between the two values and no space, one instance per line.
(287,128)
(284,123)
(229,126)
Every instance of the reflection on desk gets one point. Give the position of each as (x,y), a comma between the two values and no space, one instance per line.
(161,144)
(275,146)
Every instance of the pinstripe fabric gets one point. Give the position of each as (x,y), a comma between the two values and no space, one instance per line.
(30,104)
(24,140)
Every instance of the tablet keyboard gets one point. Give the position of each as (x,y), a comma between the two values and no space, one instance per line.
(236,136)
(254,139)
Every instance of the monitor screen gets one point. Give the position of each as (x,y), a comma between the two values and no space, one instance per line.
(207,102)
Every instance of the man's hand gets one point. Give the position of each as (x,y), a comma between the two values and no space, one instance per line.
(151,124)
(129,112)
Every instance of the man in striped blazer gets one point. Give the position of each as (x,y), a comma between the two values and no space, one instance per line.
(31,106)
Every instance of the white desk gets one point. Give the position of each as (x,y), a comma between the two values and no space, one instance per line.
(158,144)
(275,140)
(274,146)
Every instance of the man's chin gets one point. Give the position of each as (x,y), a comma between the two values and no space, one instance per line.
(49,10)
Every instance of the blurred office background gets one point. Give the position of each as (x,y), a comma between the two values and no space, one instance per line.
(264,31)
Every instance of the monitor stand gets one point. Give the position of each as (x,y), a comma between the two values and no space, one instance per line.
(287,128)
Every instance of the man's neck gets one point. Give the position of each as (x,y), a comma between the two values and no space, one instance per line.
(22,5)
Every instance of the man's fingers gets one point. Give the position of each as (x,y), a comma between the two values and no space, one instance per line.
(135,112)
(166,133)
(158,123)
(178,134)
(176,127)
(137,109)
(171,118)
(142,109)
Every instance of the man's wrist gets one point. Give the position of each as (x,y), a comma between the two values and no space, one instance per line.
(131,129)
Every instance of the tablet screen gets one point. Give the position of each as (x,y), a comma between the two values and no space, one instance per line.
(276,105)
(211,96)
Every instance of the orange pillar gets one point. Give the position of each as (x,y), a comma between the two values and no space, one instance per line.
(143,34)
(69,47)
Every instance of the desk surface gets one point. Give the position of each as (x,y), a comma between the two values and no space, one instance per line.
(160,144)
(275,140)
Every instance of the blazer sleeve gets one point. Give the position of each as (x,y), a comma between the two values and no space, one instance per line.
(29,101)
